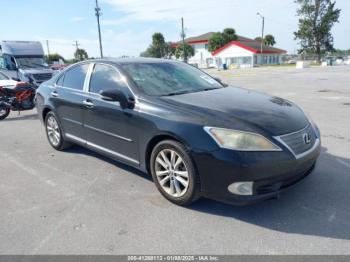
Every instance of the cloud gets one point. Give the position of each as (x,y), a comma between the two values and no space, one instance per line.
(203,16)
(199,14)
(115,44)
(77,19)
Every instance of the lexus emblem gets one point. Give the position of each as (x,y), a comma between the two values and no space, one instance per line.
(307,138)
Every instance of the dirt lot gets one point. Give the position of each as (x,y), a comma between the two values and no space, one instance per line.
(77,202)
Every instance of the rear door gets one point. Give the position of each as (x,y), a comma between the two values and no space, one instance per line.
(67,97)
(109,128)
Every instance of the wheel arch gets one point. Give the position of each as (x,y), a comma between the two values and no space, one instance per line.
(45,111)
(157,139)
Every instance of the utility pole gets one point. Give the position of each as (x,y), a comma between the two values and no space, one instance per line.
(262,35)
(98,14)
(183,35)
(76,45)
(48,49)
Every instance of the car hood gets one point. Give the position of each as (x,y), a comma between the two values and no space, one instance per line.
(234,107)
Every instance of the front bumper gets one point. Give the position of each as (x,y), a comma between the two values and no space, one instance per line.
(271,172)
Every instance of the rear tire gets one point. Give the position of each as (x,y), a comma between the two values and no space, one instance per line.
(174,173)
(4,112)
(54,132)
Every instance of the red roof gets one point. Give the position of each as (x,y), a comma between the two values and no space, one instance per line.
(243,42)
(252,46)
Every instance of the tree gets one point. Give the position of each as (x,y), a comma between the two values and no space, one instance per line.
(158,43)
(179,51)
(218,40)
(159,48)
(80,54)
(316,19)
(54,57)
(258,39)
(229,35)
(269,40)
(169,50)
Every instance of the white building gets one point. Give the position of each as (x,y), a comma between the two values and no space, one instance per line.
(244,52)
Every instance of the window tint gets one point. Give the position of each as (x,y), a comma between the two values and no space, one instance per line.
(160,79)
(60,80)
(75,77)
(105,77)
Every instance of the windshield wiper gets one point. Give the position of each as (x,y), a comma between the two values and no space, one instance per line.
(177,93)
(191,91)
(210,88)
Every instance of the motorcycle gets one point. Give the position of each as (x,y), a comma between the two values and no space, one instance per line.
(16,98)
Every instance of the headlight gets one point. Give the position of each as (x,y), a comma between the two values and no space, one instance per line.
(240,140)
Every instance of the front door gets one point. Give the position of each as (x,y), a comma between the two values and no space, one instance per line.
(109,128)
(67,97)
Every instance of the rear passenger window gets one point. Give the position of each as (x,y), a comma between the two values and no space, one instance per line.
(74,78)
(105,77)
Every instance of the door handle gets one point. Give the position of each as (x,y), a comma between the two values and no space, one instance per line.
(88,103)
(54,94)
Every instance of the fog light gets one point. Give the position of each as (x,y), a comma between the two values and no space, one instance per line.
(241,188)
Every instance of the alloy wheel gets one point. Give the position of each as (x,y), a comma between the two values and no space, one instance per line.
(172,173)
(53,131)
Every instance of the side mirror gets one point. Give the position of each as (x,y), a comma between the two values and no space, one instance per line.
(220,81)
(117,96)
(16,79)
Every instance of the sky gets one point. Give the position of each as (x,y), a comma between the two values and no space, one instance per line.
(127,25)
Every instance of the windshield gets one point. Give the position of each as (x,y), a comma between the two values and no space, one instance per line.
(3,77)
(31,62)
(164,79)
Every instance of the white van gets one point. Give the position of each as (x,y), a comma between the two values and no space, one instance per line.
(24,61)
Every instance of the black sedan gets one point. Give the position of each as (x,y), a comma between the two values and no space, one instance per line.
(194,135)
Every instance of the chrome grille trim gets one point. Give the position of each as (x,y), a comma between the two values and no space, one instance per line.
(294,141)
(42,77)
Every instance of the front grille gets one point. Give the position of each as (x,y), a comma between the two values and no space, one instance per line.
(296,141)
(42,77)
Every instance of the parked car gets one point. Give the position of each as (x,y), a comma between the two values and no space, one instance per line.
(339,60)
(193,135)
(292,62)
(58,66)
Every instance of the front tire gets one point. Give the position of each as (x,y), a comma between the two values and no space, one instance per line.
(4,112)
(174,173)
(54,132)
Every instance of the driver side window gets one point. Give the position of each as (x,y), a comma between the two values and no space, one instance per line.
(105,77)
(9,62)
(2,63)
